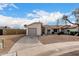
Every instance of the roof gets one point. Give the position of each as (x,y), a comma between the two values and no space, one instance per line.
(60,27)
(35,23)
(70,27)
(53,26)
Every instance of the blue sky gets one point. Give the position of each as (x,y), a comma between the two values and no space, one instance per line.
(30,12)
(24,8)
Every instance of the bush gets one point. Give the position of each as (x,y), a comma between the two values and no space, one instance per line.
(73,33)
(60,33)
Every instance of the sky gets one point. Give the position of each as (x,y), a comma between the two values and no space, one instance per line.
(15,15)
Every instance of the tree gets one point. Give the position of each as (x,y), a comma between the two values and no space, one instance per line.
(76,14)
(66,19)
(25,26)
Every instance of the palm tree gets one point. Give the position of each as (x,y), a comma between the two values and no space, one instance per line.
(66,20)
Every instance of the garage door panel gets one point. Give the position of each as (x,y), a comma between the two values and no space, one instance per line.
(32,31)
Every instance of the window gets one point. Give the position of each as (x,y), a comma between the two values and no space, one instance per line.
(55,30)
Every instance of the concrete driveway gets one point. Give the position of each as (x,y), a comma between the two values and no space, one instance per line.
(54,49)
(25,42)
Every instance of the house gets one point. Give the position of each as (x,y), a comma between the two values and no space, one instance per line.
(67,29)
(52,29)
(71,29)
(38,29)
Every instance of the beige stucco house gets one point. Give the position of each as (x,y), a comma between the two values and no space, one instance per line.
(60,29)
(50,29)
(38,29)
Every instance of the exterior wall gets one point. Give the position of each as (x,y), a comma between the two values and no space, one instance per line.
(37,26)
(46,30)
(51,30)
(59,29)
(73,29)
(13,31)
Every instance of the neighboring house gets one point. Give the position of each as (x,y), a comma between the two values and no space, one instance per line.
(71,29)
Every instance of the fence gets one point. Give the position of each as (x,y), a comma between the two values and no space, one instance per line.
(13,31)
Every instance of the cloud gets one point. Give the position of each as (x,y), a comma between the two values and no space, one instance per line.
(10,21)
(44,16)
(13,5)
(5,5)
(36,16)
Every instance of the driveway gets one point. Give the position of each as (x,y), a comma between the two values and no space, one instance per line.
(25,42)
(31,46)
(54,49)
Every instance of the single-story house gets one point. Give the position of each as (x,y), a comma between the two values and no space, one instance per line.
(71,29)
(52,29)
(38,29)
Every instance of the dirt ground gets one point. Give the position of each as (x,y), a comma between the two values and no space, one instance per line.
(73,53)
(9,41)
(48,39)
(42,46)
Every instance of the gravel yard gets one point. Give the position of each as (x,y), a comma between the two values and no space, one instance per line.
(58,38)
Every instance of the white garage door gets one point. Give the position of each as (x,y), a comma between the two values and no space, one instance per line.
(32,31)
